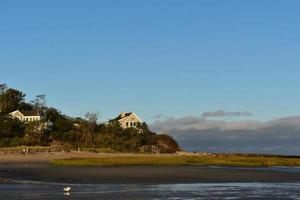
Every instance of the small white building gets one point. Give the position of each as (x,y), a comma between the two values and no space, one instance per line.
(128,120)
(26,116)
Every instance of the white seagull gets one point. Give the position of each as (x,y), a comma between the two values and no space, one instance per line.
(67,189)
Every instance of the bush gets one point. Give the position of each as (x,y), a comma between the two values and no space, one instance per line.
(11,142)
(166,144)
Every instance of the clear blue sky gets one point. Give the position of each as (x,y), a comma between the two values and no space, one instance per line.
(170,57)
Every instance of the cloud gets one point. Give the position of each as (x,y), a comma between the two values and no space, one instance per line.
(222,113)
(198,123)
(160,117)
(278,136)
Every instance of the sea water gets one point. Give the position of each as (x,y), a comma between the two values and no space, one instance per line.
(254,190)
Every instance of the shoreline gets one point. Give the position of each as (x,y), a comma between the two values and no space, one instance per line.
(92,159)
(26,168)
(41,173)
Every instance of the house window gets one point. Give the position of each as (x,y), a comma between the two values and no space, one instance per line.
(131,124)
(127,124)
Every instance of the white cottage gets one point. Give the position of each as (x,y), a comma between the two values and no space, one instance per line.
(128,120)
(26,116)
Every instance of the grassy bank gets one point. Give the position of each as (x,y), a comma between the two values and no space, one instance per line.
(242,161)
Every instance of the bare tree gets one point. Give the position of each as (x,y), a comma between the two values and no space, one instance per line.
(3,88)
(40,101)
(90,128)
(92,117)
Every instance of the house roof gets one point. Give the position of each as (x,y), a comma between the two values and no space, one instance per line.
(120,116)
(30,112)
(123,117)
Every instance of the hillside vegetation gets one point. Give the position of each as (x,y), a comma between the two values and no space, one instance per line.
(71,132)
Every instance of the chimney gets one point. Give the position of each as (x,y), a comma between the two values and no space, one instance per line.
(122,114)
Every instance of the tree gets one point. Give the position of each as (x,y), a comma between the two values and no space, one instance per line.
(40,103)
(25,106)
(89,128)
(10,100)
(92,117)
(34,134)
(144,127)
(63,125)
(3,88)
(166,143)
(10,128)
(52,114)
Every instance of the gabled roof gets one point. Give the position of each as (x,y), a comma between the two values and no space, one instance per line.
(28,112)
(125,115)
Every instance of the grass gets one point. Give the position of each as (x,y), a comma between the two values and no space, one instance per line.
(237,161)
(98,150)
(23,147)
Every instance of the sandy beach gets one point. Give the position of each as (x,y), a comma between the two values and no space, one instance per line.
(37,168)
(144,174)
(31,177)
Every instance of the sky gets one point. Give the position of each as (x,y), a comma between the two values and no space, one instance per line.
(229,61)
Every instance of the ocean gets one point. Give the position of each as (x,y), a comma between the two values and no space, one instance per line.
(33,190)
(35,182)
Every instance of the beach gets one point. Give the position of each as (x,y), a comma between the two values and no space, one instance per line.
(32,177)
(144,174)
(38,168)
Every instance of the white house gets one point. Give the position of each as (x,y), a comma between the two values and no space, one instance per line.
(128,120)
(26,116)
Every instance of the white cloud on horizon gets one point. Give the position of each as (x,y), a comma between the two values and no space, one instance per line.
(222,113)
(197,133)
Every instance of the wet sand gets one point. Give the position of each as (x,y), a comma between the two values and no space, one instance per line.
(37,168)
(144,174)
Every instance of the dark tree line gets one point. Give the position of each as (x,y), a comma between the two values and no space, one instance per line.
(72,132)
